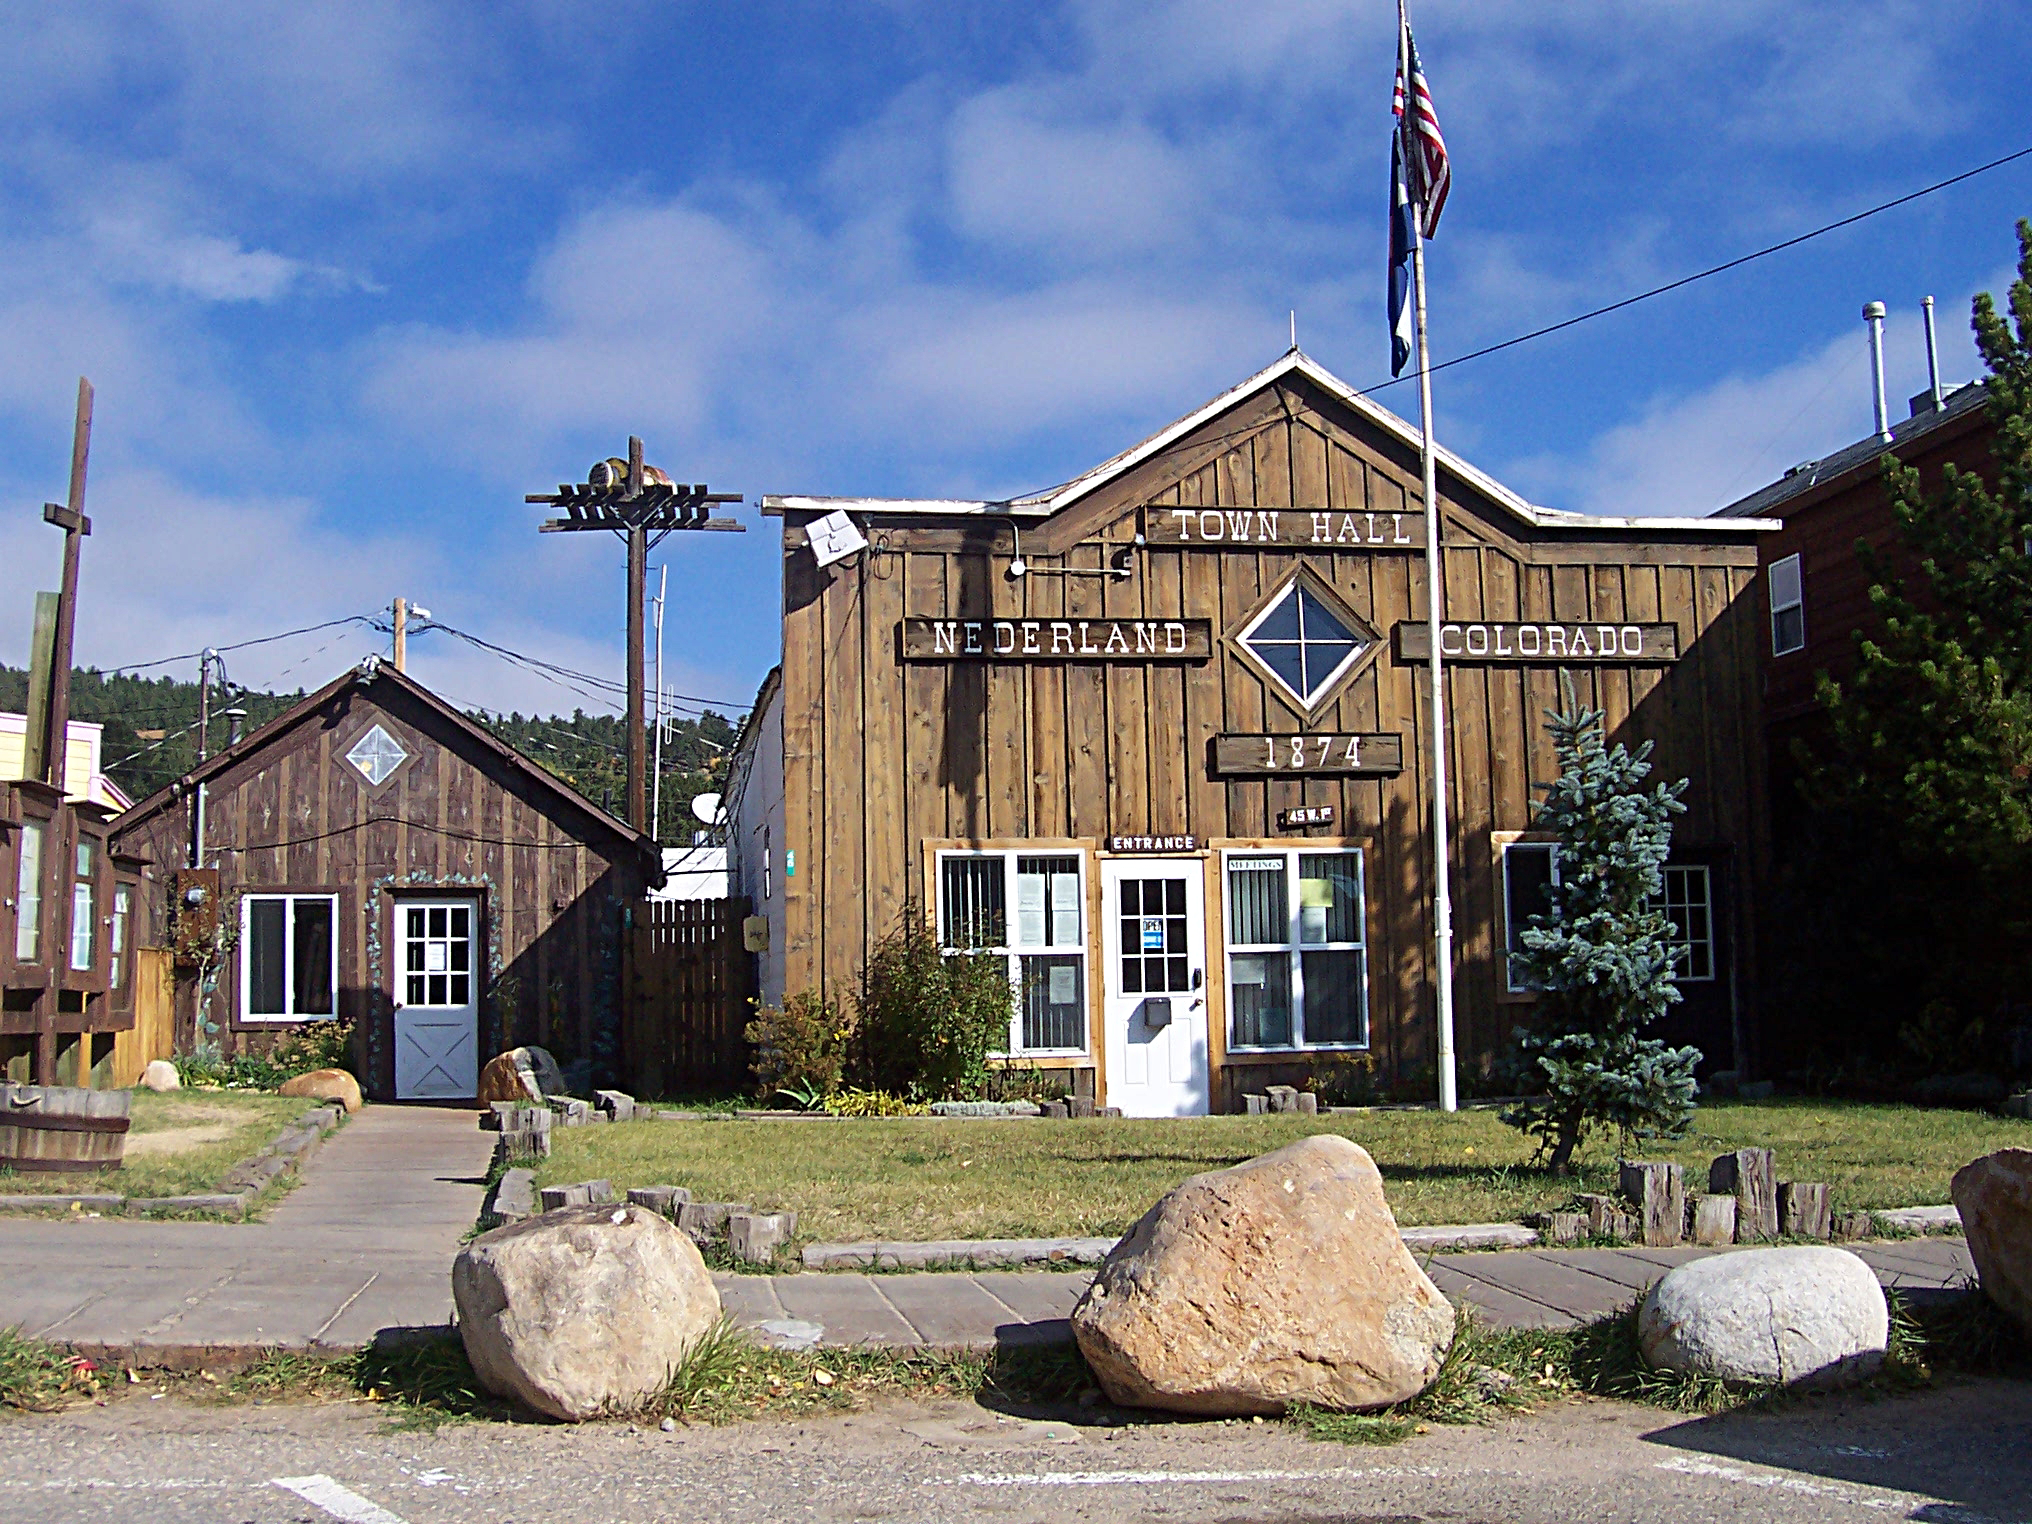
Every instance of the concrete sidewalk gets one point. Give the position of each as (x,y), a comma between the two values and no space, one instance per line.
(364,1247)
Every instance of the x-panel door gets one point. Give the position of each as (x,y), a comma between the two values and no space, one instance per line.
(1154,939)
(437,999)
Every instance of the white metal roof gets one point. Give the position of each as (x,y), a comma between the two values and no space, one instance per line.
(1294,362)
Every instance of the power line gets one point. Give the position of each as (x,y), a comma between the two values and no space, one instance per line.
(309,629)
(566,676)
(1687,280)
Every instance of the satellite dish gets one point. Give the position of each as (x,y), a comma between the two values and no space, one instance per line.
(707,808)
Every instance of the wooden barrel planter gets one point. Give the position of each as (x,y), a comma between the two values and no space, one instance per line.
(61,1129)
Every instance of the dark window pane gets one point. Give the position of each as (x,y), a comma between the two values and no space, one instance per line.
(973,910)
(415,963)
(1179,977)
(1527,890)
(1281,623)
(1174,896)
(267,958)
(462,993)
(1288,662)
(437,989)
(416,923)
(1320,623)
(416,992)
(312,969)
(1333,997)
(462,952)
(1054,1003)
(1132,976)
(1321,662)
(437,920)
(459,919)
(1256,907)
(1132,901)
(1259,1000)
(1330,897)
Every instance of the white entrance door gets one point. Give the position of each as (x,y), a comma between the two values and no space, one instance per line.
(437,1000)
(1154,938)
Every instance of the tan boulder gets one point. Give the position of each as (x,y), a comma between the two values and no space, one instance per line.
(1282,1280)
(520,1074)
(582,1311)
(325,1085)
(1994,1197)
(160,1075)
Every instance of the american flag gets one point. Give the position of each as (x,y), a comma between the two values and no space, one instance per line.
(1430,174)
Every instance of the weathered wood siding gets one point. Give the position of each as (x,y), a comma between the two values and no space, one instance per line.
(554,882)
(883,756)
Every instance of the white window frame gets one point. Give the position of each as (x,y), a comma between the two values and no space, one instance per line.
(1014,952)
(1294,948)
(1511,925)
(289,904)
(1682,943)
(1795,568)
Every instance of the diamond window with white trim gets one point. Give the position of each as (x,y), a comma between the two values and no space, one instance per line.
(1305,640)
(377,754)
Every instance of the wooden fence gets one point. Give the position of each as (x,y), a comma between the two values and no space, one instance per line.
(688,982)
(153,1034)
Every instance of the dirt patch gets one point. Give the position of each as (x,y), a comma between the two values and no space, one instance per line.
(143,1145)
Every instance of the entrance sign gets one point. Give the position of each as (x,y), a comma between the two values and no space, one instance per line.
(1305,528)
(1522,644)
(1109,640)
(1165,844)
(1342,753)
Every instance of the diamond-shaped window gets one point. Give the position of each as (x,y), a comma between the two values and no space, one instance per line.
(1305,640)
(377,755)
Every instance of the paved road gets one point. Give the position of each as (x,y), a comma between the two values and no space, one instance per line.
(1963,1454)
(365,1245)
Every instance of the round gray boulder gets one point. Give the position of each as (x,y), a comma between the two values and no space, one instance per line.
(1791,1316)
(582,1311)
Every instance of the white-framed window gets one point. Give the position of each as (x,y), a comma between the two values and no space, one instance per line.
(123,920)
(1786,583)
(85,905)
(1031,907)
(1688,903)
(28,893)
(1530,869)
(1686,899)
(1297,944)
(289,957)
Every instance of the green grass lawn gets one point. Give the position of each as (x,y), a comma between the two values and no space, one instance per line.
(180,1144)
(929,1178)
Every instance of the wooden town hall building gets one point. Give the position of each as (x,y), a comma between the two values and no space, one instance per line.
(1158,737)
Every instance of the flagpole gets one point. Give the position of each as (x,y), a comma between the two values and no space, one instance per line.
(1435,597)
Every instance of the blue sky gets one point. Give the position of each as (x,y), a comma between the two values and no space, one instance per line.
(352,279)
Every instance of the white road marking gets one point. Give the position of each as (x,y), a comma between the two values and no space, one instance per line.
(1147,1478)
(340,1502)
(1877,1498)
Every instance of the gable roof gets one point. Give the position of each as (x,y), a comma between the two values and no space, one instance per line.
(363,677)
(1294,363)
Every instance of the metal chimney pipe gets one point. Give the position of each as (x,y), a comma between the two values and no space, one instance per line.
(1873,314)
(1932,355)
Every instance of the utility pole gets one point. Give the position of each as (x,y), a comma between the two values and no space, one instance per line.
(69,517)
(641,505)
(401,634)
(205,661)
(656,791)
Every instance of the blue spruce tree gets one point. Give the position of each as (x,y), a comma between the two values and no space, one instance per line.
(1602,958)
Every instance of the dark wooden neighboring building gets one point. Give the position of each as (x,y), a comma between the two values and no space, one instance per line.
(1177,770)
(69,902)
(376,856)
(1813,594)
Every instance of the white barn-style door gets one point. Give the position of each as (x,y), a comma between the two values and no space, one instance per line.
(1153,936)
(437,999)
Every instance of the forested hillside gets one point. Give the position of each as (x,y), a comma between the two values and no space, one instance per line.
(151,738)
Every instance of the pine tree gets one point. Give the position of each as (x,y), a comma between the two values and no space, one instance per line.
(1927,769)
(1602,957)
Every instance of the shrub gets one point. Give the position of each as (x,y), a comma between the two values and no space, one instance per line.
(801,1046)
(1346,1079)
(873,1103)
(312,1045)
(929,1018)
(1024,1082)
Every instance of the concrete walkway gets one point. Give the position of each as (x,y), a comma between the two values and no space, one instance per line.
(364,1247)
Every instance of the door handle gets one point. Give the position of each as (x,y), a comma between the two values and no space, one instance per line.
(1198,977)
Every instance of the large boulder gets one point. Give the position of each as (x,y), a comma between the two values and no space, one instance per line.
(1994,1197)
(1279,1281)
(160,1075)
(1791,1316)
(521,1074)
(325,1085)
(582,1311)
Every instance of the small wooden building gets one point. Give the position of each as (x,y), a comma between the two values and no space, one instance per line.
(1157,736)
(376,856)
(70,902)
